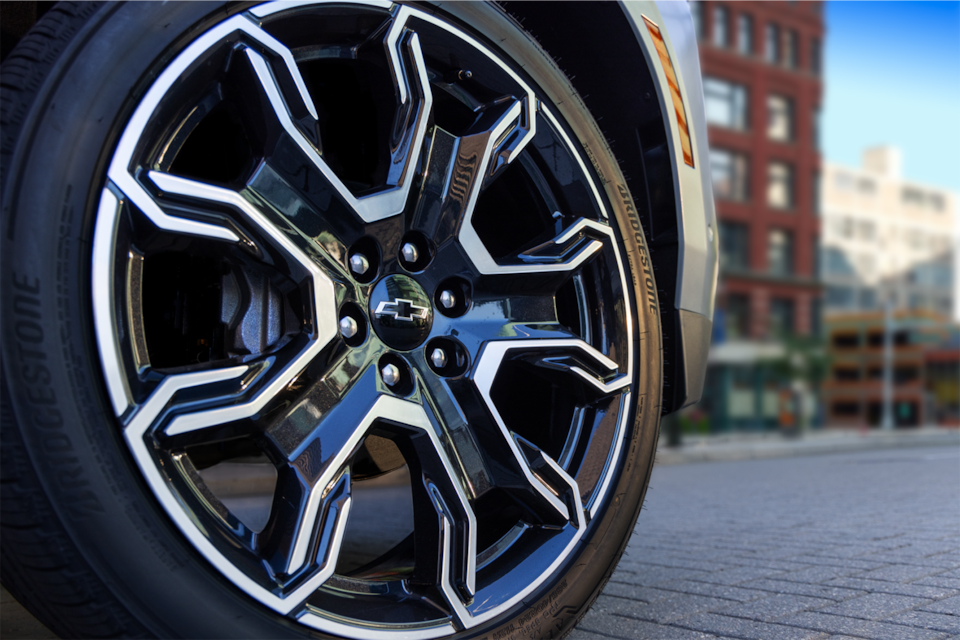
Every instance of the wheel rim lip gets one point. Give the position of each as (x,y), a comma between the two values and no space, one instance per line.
(120,397)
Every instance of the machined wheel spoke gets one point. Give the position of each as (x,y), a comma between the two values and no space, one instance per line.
(572,247)
(321,321)
(458,168)
(568,360)
(438,496)
(306,526)
(415,100)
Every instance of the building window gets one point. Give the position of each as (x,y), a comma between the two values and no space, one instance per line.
(734,245)
(730,172)
(780,252)
(725,103)
(868,299)
(738,315)
(912,196)
(843,182)
(867,230)
(791,48)
(779,118)
(836,263)
(816,317)
(696,12)
(815,195)
(839,297)
(936,201)
(780,185)
(866,186)
(771,43)
(815,56)
(721,35)
(781,317)
(744,34)
(815,127)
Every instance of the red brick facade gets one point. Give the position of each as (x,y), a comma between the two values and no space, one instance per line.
(802,84)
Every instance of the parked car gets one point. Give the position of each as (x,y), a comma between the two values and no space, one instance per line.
(344,318)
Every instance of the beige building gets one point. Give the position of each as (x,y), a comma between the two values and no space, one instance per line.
(886,236)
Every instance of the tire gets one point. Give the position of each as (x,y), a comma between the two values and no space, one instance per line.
(351,340)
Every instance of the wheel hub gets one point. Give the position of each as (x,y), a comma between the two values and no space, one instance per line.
(400,312)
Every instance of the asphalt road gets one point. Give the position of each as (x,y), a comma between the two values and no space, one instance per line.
(856,545)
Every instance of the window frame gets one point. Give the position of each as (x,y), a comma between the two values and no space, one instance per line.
(739,175)
(787,180)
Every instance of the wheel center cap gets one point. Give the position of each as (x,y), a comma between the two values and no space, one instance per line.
(400,312)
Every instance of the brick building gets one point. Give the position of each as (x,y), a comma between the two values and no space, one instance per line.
(761,64)
(925,369)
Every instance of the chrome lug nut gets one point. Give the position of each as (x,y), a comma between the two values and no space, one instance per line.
(359,263)
(348,327)
(409,252)
(448,300)
(390,374)
(438,358)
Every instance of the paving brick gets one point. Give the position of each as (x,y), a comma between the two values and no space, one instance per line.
(939,581)
(853,563)
(650,575)
(949,606)
(580,634)
(860,628)
(884,586)
(826,591)
(636,592)
(926,620)
(661,611)
(631,629)
(737,575)
(874,606)
(689,563)
(900,573)
(778,606)
(948,561)
(713,590)
(815,575)
(767,563)
(747,629)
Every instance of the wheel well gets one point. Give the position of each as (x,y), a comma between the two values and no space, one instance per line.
(594,44)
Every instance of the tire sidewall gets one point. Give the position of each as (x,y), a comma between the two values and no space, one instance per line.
(52,366)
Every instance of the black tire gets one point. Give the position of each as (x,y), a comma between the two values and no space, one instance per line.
(88,547)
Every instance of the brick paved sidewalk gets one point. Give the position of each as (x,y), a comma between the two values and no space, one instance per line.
(863,545)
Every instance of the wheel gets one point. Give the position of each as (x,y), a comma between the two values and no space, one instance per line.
(318,318)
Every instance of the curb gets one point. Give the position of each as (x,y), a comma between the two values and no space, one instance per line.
(822,443)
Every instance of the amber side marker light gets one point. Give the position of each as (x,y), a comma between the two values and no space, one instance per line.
(667,65)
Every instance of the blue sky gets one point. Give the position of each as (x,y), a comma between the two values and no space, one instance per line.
(893,77)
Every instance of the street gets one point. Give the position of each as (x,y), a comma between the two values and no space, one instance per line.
(860,545)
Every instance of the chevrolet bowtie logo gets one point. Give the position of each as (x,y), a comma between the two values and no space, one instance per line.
(401,310)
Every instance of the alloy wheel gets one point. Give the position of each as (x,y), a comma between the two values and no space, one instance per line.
(349,242)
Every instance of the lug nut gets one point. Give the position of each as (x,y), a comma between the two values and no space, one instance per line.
(348,327)
(448,300)
(390,374)
(438,358)
(410,252)
(359,264)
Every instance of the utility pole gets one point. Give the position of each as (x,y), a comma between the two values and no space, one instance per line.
(887,421)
